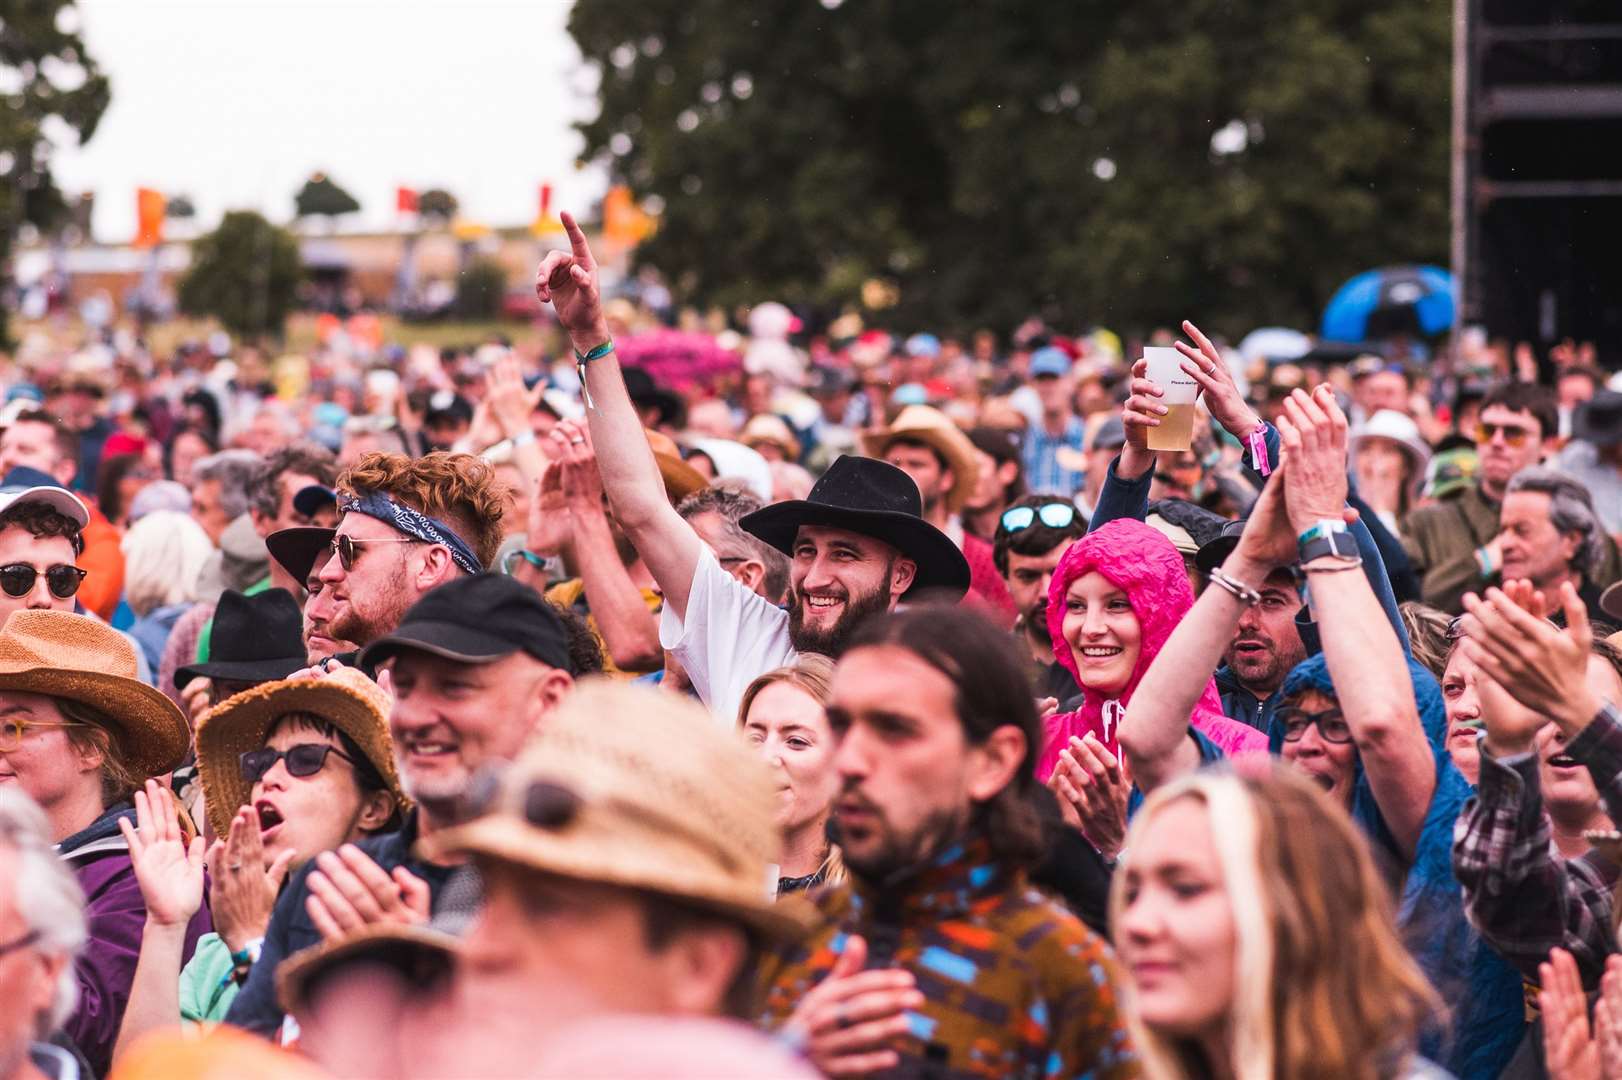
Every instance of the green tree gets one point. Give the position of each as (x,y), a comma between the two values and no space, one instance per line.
(245,273)
(51,81)
(321,197)
(1124,164)
(436,206)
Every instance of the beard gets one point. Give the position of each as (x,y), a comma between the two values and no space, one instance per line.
(1264,669)
(832,641)
(1036,623)
(381,617)
(884,850)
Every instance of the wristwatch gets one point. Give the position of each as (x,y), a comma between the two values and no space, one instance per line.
(1328,537)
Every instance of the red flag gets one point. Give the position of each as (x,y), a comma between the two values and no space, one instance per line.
(546,201)
(405,200)
(149,208)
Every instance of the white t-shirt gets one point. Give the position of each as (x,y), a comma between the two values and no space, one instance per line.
(730,638)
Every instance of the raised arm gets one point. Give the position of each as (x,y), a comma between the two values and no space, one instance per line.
(568,281)
(1364,655)
(1154,734)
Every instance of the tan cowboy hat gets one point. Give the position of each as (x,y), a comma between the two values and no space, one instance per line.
(63,655)
(680,478)
(928,425)
(347,699)
(630,787)
(773,429)
(416,949)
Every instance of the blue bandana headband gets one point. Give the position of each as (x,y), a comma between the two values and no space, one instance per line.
(430,530)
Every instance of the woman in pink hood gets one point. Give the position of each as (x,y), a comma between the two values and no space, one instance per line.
(1116,596)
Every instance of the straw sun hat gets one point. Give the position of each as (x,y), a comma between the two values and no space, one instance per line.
(662,799)
(928,425)
(63,655)
(348,700)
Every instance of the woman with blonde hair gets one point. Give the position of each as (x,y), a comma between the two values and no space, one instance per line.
(164,556)
(1265,948)
(784,714)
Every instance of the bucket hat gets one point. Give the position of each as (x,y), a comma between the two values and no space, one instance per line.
(769,428)
(1394,427)
(874,498)
(928,425)
(621,787)
(348,700)
(63,655)
(255,639)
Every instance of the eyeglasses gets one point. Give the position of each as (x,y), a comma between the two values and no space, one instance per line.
(1331,724)
(17,579)
(305,759)
(13,728)
(1055,515)
(21,943)
(1513,436)
(344,547)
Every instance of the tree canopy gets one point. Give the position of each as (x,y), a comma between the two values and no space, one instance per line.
(321,197)
(1118,164)
(437,206)
(51,81)
(245,273)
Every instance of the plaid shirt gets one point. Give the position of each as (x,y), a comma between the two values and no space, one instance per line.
(1520,894)
(1042,469)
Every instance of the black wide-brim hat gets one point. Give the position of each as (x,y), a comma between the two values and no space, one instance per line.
(873,498)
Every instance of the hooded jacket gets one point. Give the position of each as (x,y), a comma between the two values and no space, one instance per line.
(1142,563)
(1482,989)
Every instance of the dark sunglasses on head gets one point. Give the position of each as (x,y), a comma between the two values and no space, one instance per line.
(346,547)
(1514,436)
(546,805)
(1055,515)
(1331,724)
(305,759)
(18,579)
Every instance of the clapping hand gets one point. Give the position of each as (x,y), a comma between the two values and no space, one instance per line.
(1312,430)
(1095,786)
(168,868)
(1541,666)
(1569,1050)
(509,402)
(348,891)
(243,889)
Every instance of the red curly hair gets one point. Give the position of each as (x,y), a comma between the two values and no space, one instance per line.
(461,490)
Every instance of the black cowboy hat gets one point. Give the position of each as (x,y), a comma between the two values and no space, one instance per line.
(299,549)
(258,638)
(876,499)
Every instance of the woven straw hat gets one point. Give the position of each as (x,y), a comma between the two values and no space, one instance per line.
(347,699)
(412,948)
(63,655)
(928,425)
(655,795)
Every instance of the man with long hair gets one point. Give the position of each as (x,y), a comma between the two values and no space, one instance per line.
(938,823)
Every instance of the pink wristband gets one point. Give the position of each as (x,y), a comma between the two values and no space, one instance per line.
(1258,450)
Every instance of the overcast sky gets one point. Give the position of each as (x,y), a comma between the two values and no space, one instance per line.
(235,102)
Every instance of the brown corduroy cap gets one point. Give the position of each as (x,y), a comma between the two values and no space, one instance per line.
(63,655)
(348,700)
(644,790)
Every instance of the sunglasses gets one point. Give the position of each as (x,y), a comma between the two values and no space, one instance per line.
(1332,726)
(1054,515)
(545,805)
(18,579)
(305,759)
(1513,436)
(344,547)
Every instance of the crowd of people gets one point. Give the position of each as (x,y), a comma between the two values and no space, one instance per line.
(887,707)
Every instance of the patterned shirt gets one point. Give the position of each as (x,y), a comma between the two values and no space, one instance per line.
(1014,985)
(1523,897)
(1042,469)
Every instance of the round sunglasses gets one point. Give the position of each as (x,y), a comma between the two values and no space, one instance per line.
(303,759)
(17,579)
(347,547)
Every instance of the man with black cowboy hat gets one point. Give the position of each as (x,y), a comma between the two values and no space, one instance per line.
(256,639)
(618,878)
(475,666)
(857,545)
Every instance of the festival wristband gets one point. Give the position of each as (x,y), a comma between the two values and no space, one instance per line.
(581,359)
(1258,450)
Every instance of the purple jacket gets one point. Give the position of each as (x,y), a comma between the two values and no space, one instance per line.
(116,914)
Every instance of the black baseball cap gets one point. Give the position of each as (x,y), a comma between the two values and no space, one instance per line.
(311,498)
(478,620)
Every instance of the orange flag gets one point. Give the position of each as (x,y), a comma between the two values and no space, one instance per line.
(149,209)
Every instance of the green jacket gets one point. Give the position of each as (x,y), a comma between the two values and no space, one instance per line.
(1441,539)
